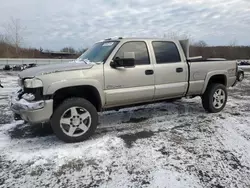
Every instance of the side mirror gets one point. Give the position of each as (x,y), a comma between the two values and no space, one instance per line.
(127,61)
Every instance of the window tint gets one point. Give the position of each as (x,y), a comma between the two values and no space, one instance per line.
(166,52)
(140,50)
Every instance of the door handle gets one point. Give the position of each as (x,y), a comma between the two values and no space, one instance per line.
(179,69)
(149,72)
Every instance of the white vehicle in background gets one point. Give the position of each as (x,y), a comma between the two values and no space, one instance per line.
(243,65)
(243,62)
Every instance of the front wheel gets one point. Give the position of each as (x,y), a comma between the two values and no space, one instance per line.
(75,120)
(215,98)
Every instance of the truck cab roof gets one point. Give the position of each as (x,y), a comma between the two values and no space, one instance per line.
(183,43)
(137,38)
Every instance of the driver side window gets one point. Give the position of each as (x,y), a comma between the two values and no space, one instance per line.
(140,50)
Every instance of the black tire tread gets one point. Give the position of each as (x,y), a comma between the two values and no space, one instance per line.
(206,98)
(67,103)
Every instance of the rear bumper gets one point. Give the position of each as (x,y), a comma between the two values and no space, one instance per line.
(32,112)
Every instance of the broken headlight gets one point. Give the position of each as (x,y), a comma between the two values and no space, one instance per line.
(33,83)
(28,96)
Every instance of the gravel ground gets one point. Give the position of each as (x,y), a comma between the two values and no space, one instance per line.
(160,145)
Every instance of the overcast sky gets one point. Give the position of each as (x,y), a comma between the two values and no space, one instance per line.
(53,24)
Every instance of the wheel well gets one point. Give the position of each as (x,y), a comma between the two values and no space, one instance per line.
(89,93)
(219,79)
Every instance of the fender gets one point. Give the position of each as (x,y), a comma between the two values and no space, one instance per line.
(211,74)
(51,89)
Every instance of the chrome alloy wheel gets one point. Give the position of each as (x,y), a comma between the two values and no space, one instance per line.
(219,98)
(75,121)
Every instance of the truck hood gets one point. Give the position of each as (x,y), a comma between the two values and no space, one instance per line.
(47,69)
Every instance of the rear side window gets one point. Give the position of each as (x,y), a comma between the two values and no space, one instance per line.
(166,52)
(140,50)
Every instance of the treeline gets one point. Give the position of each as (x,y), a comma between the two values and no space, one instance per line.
(227,52)
(12,42)
(10,51)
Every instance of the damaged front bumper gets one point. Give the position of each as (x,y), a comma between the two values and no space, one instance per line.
(31,111)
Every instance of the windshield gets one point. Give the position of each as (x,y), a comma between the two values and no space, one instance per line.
(99,52)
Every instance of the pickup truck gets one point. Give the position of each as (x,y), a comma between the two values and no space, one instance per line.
(117,73)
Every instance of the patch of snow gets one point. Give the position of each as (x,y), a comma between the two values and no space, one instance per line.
(10,126)
(5,140)
(159,145)
(167,178)
(236,137)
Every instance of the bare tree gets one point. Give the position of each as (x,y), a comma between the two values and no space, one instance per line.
(232,48)
(177,36)
(1,38)
(14,33)
(200,43)
(68,49)
(233,43)
(4,45)
(81,50)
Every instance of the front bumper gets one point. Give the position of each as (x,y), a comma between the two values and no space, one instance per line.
(32,112)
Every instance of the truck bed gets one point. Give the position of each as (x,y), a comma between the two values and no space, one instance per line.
(200,74)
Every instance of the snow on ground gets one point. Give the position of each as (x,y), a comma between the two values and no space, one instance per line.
(175,145)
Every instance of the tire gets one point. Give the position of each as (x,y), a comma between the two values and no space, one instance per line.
(240,76)
(75,120)
(17,117)
(211,94)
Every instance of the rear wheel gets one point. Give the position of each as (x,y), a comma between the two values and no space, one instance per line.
(75,120)
(215,98)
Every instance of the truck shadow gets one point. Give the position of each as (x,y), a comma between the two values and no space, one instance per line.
(30,131)
(144,113)
(117,121)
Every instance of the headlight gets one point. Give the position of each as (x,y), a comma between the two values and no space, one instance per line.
(33,83)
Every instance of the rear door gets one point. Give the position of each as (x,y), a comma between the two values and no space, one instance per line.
(171,72)
(124,86)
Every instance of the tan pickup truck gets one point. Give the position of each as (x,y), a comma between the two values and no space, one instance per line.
(117,73)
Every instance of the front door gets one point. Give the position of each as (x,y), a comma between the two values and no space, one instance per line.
(124,86)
